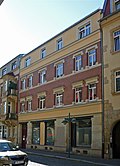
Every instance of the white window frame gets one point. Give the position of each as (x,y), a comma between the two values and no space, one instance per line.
(30,81)
(27,62)
(29,105)
(92,56)
(116,77)
(23,84)
(59,44)
(42,102)
(4,71)
(5,107)
(5,86)
(83,31)
(42,76)
(94,91)
(78,90)
(59,69)
(14,65)
(22,107)
(43,53)
(78,62)
(59,99)
(116,37)
(117,4)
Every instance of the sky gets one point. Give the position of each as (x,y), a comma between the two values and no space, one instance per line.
(26,24)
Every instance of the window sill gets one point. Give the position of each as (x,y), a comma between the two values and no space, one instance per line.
(115,52)
(56,78)
(116,93)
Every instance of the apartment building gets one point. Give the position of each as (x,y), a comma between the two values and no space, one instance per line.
(60,81)
(110,25)
(9,75)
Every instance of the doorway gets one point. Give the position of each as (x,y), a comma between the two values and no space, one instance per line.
(24,135)
(116,140)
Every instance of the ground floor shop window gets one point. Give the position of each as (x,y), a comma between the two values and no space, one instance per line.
(49,132)
(83,132)
(36,133)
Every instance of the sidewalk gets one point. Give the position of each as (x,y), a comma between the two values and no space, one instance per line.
(74,157)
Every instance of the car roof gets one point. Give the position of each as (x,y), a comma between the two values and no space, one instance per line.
(2,140)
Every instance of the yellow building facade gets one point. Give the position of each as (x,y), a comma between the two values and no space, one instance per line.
(61,81)
(110,25)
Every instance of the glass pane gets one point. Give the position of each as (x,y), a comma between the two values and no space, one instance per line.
(117,84)
(36,133)
(50,133)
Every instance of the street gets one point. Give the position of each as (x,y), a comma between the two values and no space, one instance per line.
(35,160)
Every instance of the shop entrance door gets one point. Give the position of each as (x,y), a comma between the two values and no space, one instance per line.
(116,140)
(24,135)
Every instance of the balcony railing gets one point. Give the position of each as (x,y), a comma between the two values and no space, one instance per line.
(11,116)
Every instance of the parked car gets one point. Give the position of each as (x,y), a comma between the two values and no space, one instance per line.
(10,155)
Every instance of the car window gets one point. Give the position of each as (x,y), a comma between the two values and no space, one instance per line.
(6,146)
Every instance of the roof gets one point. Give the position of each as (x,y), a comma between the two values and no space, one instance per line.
(64,30)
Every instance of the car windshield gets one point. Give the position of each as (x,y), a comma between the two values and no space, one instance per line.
(7,146)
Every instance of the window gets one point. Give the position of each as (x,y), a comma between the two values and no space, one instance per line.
(92,91)
(84,31)
(59,70)
(117,4)
(27,62)
(83,132)
(59,44)
(14,65)
(23,84)
(43,76)
(43,53)
(36,133)
(49,132)
(5,86)
(30,81)
(4,71)
(117,81)
(5,107)
(117,40)
(59,99)
(22,107)
(92,57)
(42,102)
(29,105)
(78,62)
(78,94)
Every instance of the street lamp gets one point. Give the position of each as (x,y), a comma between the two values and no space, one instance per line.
(65,121)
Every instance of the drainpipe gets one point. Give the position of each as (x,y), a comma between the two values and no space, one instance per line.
(18,98)
(102,61)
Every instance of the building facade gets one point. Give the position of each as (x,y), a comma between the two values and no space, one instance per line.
(110,25)
(62,77)
(9,75)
